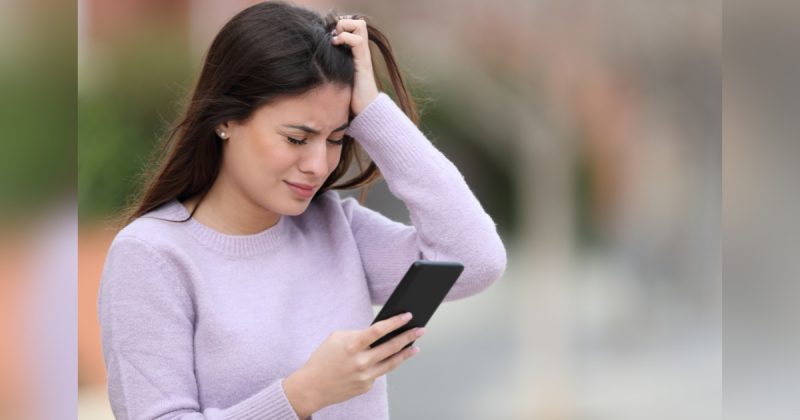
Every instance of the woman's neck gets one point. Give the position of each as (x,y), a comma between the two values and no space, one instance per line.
(229,212)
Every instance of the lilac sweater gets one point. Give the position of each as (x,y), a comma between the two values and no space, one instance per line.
(197,324)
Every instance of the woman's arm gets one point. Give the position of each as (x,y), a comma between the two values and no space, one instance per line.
(147,329)
(449,222)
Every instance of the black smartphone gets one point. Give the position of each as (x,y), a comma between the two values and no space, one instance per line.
(420,292)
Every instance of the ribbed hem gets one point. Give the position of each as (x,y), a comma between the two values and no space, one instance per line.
(270,403)
(231,244)
(390,138)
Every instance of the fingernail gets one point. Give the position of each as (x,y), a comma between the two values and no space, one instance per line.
(406,316)
(420,332)
(334,39)
(414,350)
(333,32)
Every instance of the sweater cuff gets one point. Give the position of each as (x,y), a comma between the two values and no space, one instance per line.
(389,137)
(269,403)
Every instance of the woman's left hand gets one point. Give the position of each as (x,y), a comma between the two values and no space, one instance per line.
(353,32)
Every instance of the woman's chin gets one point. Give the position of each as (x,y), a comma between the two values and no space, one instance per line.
(295,208)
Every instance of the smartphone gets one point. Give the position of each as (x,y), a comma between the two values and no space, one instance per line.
(420,292)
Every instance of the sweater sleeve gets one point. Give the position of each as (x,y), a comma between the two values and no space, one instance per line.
(449,223)
(147,330)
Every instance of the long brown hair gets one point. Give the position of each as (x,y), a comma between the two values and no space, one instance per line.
(267,51)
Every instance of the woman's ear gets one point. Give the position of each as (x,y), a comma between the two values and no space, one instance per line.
(223,131)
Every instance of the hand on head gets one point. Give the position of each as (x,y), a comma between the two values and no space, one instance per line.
(352,31)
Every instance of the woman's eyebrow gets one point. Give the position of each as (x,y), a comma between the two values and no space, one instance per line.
(308,129)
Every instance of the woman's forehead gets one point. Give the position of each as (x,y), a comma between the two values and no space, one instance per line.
(321,109)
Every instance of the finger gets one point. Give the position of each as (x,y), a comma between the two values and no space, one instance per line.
(393,362)
(381,328)
(395,345)
(348,38)
(356,26)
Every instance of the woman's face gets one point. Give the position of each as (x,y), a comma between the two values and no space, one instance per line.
(290,140)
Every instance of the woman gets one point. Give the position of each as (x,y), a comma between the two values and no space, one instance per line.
(242,284)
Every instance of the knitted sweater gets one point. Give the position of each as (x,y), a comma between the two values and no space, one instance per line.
(197,324)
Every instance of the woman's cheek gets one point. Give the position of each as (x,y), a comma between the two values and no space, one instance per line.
(333,160)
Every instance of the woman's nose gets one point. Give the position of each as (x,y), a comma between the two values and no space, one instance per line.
(315,158)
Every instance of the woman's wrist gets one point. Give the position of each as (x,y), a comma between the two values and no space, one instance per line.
(300,395)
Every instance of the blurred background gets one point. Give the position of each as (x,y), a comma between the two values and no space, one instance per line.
(590,131)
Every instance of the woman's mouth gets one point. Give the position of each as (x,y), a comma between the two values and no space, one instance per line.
(301,190)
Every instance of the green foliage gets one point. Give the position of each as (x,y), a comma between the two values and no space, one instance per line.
(123,112)
(37,113)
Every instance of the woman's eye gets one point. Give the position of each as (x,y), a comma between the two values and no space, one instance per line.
(299,141)
(296,141)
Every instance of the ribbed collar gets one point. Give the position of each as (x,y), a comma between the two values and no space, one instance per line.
(230,244)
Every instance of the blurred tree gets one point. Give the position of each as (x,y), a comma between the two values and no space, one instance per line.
(123,112)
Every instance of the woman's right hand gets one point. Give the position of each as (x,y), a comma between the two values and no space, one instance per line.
(345,366)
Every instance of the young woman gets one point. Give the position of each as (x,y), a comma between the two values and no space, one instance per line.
(242,284)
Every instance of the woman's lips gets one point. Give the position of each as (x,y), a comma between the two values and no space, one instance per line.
(301,190)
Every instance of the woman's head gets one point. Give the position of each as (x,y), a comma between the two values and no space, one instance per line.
(296,139)
(270,66)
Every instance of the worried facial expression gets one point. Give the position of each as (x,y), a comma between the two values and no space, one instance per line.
(281,156)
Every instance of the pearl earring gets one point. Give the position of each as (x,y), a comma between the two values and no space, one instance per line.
(223,135)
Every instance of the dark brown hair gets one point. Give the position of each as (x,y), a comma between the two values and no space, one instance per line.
(267,51)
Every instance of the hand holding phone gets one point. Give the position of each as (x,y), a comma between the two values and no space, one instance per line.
(343,366)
